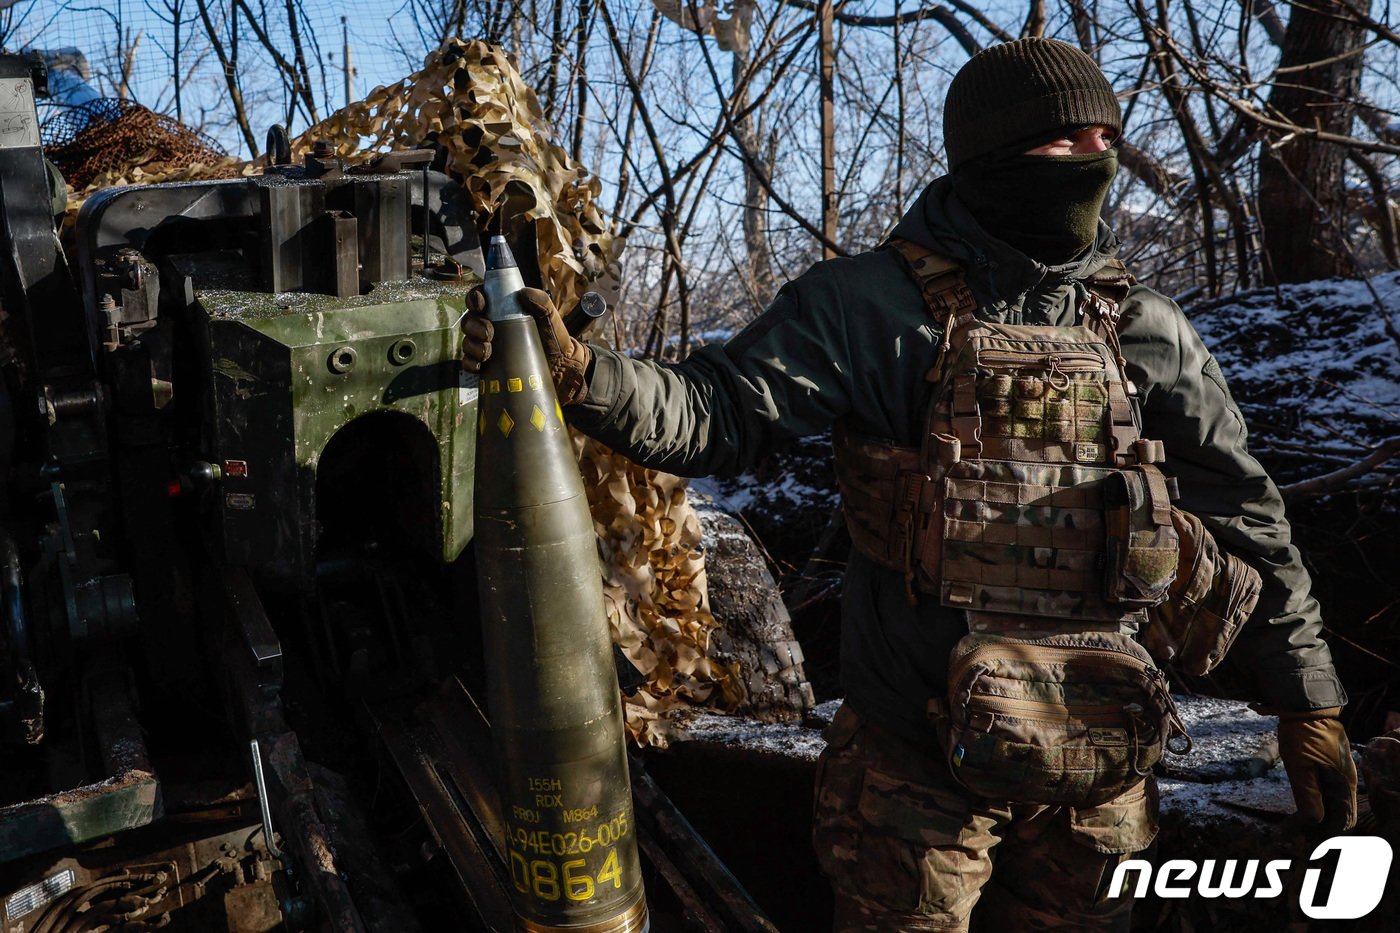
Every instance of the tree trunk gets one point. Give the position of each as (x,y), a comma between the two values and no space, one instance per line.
(585,29)
(826,58)
(1302,192)
(755,198)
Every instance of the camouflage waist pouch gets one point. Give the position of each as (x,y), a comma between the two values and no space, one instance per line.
(1073,719)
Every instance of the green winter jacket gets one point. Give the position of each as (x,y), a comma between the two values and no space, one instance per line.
(853,338)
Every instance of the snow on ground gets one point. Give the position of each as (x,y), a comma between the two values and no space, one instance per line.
(1227,740)
(705,499)
(1314,366)
(791,488)
(1267,796)
(1232,768)
(786,500)
(789,739)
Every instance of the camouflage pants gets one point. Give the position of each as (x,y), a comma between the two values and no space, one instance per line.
(907,849)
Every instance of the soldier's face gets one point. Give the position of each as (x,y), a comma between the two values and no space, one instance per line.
(1083,140)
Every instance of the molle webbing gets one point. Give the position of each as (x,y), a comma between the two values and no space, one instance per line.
(1001,509)
(886,498)
(1026,539)
(1062,404)
(940,280)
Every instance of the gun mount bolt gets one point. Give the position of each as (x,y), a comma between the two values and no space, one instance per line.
(342,359)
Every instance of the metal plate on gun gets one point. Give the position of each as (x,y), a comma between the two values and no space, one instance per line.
(19,123)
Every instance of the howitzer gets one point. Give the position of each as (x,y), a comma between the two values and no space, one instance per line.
(238,559)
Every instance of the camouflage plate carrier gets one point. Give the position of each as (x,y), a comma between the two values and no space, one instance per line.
(1034,505)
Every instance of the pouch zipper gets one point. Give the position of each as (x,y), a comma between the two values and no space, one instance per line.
(1076,362)
(1154,681)
(1048,712)
(1091,657)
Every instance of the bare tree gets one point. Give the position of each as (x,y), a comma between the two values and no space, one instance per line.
(228,59)
(1302,179)
(705,118)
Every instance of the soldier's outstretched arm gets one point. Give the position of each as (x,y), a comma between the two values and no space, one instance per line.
(786,375)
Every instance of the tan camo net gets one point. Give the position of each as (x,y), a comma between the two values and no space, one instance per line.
(471,99)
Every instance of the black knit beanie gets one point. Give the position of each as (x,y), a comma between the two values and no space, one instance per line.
(1019,91)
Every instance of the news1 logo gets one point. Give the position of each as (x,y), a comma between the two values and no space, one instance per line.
(1356,876)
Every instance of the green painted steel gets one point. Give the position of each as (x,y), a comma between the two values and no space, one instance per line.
(124,801)
(285,380)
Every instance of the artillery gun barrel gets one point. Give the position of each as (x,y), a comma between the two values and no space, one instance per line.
(552,692)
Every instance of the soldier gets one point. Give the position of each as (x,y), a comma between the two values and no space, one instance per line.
(1030,128)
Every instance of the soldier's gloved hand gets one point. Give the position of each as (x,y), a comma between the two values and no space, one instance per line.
(477,332)
(568,358)
(1317,756)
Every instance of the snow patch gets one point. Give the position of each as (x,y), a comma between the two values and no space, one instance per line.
(1315,366)
(787,739)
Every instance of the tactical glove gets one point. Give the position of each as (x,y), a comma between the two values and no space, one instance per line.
(1317,756)
(568,358)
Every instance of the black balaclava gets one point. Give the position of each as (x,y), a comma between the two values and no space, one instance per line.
(1010,98)
(1045,206)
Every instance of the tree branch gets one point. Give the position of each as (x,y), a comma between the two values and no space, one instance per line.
(752,161)
(1330,481)
(1035,20)
(1264,12)
(287,67)
(240,112)
(668,216)
(1385,214)
(938,13)
(798,39)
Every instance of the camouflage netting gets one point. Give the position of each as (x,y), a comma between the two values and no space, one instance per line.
(110,142)
(471,101)
(655,590)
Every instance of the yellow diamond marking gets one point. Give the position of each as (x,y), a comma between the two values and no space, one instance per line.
(537,418)
(481,423)
(559,411)
(514,384)
(493,386)
(534,381)
(505,423)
